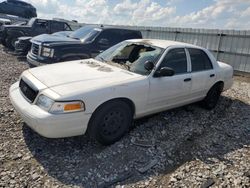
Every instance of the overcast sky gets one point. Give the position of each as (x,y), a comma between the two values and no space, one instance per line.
(220,14)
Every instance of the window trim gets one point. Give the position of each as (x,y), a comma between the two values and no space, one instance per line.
(164,55)
(191,60)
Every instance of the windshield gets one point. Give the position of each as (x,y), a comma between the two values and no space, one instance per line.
(131,56)
(85,34)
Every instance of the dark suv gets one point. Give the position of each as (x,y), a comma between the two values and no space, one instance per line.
(10,33)
(83,43)
(18,8)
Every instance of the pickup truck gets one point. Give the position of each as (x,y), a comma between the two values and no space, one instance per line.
(86,42)
(130,80)
(23,44)
(10,33)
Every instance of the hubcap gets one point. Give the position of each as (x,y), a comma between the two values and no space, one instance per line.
(112,123)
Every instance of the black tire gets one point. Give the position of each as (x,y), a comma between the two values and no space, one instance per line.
(10,42)
(212,97)
(110,122)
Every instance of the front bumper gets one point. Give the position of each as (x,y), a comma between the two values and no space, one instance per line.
(47,124)
(35,61)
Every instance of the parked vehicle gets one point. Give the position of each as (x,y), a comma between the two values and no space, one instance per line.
(132,79)
(23,44)
(4,21)
(83,43)
(10,33)
(18,8)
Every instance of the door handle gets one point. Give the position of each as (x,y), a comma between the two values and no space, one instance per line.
(187,80)
(212,75)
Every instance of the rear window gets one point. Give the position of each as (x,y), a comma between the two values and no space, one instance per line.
(199,60)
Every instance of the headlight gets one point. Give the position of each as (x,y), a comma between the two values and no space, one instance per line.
(59,107)
(44,102)
(47,52)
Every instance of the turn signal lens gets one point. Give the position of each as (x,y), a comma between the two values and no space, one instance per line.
(72,107)
(67,107)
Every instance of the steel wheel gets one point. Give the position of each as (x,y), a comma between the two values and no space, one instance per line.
(110,122)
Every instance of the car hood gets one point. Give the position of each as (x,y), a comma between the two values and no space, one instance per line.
(62,33)
(54,39)
(80,76)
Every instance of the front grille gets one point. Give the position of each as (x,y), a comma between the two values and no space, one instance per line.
(27,91)
(35,49)
(19,45)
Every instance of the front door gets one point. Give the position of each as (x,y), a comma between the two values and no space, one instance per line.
(168,92)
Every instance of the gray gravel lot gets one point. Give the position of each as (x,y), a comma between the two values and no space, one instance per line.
(184,147)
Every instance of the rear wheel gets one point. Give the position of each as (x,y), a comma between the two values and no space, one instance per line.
(10,42)
(110,122)
(212,97)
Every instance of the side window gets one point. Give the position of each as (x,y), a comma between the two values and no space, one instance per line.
(176,59)
(110,36)
(199,60)
(42,24)
(130,35)
(56,26)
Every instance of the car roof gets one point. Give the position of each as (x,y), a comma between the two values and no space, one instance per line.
(163,43)
(102,27)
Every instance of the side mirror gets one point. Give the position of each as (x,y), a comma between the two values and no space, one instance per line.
(149,65)
(103,42)
(164,71)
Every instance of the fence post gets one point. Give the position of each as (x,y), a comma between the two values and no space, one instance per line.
(176,33)
(218,47)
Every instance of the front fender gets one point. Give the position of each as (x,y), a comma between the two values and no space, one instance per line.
(136,92)
(71,52)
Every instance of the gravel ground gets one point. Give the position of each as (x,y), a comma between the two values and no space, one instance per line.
(184,147)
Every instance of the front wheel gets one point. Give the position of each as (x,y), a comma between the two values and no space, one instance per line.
(110,122)
(212,97)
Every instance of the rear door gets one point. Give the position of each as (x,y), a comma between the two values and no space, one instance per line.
(203,73)
(40,27)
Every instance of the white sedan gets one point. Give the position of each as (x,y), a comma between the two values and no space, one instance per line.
(132,79)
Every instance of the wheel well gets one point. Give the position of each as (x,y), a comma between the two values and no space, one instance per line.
(125,100)
(219,84)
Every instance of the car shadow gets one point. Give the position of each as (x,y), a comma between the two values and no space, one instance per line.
(173,138)
(19,57)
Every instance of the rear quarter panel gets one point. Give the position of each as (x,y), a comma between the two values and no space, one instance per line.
(225,74)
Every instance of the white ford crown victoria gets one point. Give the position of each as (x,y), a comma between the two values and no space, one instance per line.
(130,80)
